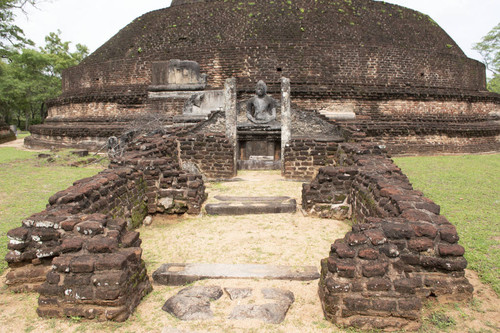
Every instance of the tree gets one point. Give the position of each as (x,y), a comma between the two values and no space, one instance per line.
(489,48)
(29,77)
(10,34)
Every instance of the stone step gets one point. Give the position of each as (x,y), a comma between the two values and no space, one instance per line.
(251,205)
(180,274)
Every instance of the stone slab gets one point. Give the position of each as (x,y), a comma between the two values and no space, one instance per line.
(251,207)
(180,274)
(258,165)
(254,199)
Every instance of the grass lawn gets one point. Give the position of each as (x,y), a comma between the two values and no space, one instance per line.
(27,182)
(22,134)
(468,190)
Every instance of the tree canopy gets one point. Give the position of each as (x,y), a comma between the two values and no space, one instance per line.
(489,48)
(10,34)
(28,77)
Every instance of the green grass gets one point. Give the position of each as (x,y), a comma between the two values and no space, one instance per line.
(27,182)
(22,134)
(8,155)
(468,190)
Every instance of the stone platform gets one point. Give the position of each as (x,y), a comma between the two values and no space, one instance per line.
(251,205)
(180,274)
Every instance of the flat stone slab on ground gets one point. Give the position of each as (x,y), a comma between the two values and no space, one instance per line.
(270,312)
(193,303)
(180,274)
(251,205)
(253,199)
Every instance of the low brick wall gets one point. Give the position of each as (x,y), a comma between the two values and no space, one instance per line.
(303,157)
(6,134)
(213,154)
(80,253)
(400,250)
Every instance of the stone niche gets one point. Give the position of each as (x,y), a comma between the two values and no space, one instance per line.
(177,74)
(259,133)
(259,147)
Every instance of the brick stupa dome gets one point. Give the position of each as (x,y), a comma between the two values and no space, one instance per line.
(339,55)
(358,45)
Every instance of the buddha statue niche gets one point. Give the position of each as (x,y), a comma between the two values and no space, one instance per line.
(261,108)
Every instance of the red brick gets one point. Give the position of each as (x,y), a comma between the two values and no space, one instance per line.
(378,284)
(420,244)
(450,249)
(357,239)
(375,269)
(448,233)
(376,236)
(368,253)
(111,261)
(424,229)
(82,264)
(343,250)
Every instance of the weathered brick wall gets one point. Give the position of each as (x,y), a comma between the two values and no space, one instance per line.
(80,254)
(303,157)
(213,154)
(129,74)
(169,189)
(94,110)
(273,39)
(81,261)
(399,252)
(6,134)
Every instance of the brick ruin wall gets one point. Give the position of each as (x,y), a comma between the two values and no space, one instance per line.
(84,261)
(6,134)
(303,157)
(400,251)
(212,154)
(81,253)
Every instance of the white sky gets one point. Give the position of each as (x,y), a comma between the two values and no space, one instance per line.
(93,22)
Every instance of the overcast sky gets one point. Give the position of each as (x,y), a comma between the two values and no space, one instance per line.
(93,22)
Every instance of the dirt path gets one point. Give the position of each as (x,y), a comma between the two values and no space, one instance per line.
(281,239)
(19,144)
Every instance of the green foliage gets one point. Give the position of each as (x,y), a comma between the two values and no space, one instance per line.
(468,190)
(489,48)
(29,77)
(494,84)
(10,34)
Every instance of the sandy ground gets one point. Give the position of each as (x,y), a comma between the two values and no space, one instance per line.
(284,239)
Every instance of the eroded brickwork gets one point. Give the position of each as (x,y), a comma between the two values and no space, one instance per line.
(213,154)
(400,250)
(81,253)
(6,134)
(303,157)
